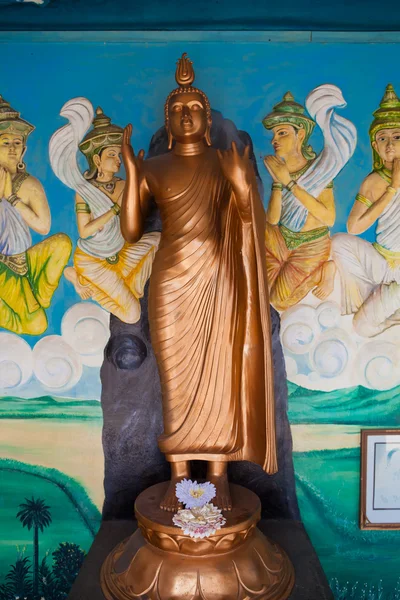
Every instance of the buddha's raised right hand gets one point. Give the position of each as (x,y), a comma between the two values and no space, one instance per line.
(132,163)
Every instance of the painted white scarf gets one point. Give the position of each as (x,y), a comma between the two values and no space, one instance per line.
(340,139)
(63,149)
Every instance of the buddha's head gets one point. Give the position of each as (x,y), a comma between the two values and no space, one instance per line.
(102,147)
(385,130)
(187,109)
(291,129)
(14,132)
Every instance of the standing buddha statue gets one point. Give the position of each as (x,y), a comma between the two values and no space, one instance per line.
(208,301)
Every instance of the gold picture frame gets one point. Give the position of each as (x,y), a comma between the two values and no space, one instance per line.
(380,479)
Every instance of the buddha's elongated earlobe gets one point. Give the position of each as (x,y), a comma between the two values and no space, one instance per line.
(207,136)
(170,138)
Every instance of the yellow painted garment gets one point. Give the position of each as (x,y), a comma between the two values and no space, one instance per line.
(118,282)
(28,282)
(294,271)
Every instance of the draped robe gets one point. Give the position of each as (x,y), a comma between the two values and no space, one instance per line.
(210,325)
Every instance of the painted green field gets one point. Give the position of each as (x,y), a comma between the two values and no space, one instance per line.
(47,407)
(74,518)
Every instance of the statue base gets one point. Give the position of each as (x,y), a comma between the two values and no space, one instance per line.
(160,562)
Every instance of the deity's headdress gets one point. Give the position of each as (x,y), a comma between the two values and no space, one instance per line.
(11,122)
(387,116)
(103,135)
(184,76)
(289,112)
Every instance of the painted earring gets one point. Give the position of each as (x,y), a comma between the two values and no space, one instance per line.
(21,166)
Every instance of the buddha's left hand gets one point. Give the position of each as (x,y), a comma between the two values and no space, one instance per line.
(238,170)
(277,169)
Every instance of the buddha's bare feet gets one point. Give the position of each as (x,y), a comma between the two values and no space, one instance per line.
(170,502)
(326,285)
(84,291)
(223,498)
(179,470)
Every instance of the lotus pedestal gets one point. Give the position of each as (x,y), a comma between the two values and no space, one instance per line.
(159,562)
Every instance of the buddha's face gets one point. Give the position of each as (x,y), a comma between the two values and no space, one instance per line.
(188,117)
(387,144)
(109,160)
(11,150)
(287,140)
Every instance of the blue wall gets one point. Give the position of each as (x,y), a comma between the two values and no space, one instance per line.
(131,82)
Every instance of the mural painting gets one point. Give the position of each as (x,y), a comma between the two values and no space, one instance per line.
(353,379)
(29,274)
(66,274)
(106,268)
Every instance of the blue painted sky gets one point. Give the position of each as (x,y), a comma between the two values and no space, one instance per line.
(131,82)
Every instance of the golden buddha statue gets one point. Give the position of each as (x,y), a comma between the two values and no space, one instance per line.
(106,268)
(29,275)
(208,301)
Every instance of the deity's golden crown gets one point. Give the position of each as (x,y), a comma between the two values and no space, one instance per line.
(103,134)
(387,116)
(11,122)
(289,112)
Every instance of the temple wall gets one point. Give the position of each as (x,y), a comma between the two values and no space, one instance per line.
(56,387)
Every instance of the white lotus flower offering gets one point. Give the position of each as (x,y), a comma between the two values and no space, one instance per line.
(199,522)
(193,494)
(200,518)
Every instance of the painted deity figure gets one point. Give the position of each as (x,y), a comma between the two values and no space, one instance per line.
(29,275)
(370,273)
(208,300)
(106,268)
(301,208)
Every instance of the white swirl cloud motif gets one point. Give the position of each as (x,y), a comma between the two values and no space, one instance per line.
(299,328)
(16,361)
(85,327)
(323,352)
(56,364)
(332,354)
(378,365)
(328,314)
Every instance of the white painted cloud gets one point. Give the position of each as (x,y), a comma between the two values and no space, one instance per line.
(85,327)
(330,355)
(16,361)
(299,328)
(56,364)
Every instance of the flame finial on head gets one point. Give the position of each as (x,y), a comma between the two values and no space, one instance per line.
(184,74)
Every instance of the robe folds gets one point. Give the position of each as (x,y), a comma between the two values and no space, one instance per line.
(210,325)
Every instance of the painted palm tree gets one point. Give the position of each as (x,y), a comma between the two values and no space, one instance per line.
(18,580)
(35,514)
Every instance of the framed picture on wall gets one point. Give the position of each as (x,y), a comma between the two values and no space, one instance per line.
(380,479)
